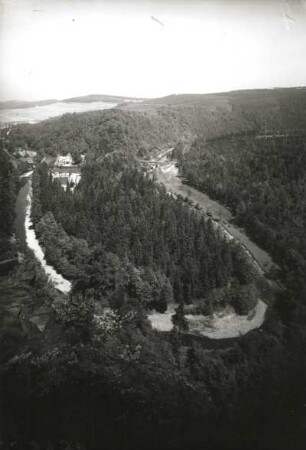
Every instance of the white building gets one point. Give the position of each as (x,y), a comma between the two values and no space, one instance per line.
(63,160)
(67,177)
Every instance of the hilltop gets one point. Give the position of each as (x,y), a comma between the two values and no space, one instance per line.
(237,111)
(99,98)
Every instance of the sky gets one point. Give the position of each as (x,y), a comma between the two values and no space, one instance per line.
(149,48)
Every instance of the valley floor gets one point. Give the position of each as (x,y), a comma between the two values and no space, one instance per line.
(224,325)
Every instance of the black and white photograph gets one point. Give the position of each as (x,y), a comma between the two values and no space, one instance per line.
(152,225)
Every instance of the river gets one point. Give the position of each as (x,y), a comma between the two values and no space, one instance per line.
(168,175)
(224,325)
(26,237)
(38,113)
(220,326)
(20,214)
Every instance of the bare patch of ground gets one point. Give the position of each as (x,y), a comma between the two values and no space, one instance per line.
(227,324)
(222,325)
(162,321)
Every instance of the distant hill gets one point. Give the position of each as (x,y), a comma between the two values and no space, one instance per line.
(99,98)
(14,104)
(241,96)
(232,112)
(139,127)
(252,97)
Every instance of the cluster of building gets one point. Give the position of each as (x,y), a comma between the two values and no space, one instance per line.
(66,160)
(63,160)
(66,171)
(67,177)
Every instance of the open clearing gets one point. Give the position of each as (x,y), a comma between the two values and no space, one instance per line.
(221,325)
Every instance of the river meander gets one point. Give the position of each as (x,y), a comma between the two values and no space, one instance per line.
(225,324)
(220,325)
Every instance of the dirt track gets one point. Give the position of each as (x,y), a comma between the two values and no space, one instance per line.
(167,174)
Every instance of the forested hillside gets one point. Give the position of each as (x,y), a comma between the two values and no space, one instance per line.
(226,113)
(261,109)
(263,180)
(8,190)
(101,132)
(96,375)
(141,127)
(115,207)
(90,381)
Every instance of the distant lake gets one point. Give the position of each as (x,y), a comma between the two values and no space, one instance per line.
(39,113)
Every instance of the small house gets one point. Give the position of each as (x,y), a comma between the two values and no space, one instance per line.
(63,160)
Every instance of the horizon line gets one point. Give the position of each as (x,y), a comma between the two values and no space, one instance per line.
(152,98)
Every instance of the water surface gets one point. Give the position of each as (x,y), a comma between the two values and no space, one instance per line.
(39,113)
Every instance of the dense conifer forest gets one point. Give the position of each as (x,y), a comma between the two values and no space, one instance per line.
(8,190)
(263,180)
(116,208)
(163,122)
(98,375)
